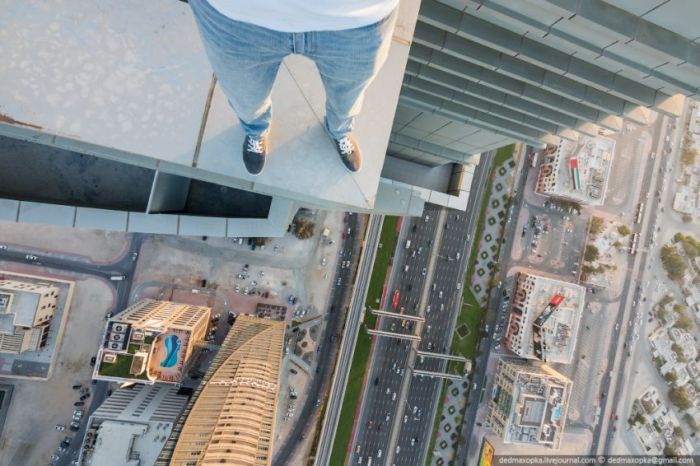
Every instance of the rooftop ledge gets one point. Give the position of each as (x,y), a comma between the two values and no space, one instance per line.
(129,81)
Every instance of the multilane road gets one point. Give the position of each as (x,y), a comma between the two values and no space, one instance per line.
(382,401)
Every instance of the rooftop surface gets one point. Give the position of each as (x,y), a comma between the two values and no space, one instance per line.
(133,423)
(578,171)
(133,84)
(555,340)
(535,406)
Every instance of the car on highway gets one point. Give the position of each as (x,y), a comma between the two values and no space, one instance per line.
(379,454)
(393,397)
(60,427)
(405,419)
(413,441)
(30,257)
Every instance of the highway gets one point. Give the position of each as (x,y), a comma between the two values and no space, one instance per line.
(385,404)
(424,393)
(389,355)
(340,296)
(349,339)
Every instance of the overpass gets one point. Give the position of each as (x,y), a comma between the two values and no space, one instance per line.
(402,336)
(443,375)
(449,357)
(396,315)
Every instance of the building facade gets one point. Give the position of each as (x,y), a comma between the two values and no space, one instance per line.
(231,416)
(151,341)
(529,404)
(26,311)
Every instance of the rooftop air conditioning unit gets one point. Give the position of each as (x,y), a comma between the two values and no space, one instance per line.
(119,328)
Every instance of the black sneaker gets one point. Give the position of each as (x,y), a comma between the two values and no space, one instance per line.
(254,152)
(349,153)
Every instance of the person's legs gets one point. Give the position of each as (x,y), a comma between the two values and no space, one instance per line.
(348,60)
(245,59)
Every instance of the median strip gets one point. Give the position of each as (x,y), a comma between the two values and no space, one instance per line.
(360,358)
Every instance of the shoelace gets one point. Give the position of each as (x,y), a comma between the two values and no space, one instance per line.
(255,145)
(345,145)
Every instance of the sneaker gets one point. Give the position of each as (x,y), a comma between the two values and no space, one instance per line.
(349,153)
(254,152)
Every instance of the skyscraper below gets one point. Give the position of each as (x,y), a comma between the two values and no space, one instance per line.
(231,416)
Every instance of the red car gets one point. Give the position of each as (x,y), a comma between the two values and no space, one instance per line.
(395,301)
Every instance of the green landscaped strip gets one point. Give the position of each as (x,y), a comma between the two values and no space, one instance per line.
(360,357)
(387,239)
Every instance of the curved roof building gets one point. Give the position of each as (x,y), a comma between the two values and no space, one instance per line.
(231,417)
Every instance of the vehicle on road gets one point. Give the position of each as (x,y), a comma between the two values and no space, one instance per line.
(30,257)
(60,427)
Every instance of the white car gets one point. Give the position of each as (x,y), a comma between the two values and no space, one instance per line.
(379,454)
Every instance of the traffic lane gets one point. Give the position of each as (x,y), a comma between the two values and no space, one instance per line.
(423,392)
(374,438)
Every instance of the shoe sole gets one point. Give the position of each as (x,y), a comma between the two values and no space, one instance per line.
(253,174)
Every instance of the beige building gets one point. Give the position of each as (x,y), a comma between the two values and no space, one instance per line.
(151,341)
(577,171)
(26,311)
(544,318)
(230,418)
(529,404)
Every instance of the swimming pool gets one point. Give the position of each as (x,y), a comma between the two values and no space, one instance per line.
(172,348)
(556,413)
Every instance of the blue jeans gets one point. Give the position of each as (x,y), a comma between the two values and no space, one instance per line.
(246,58)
